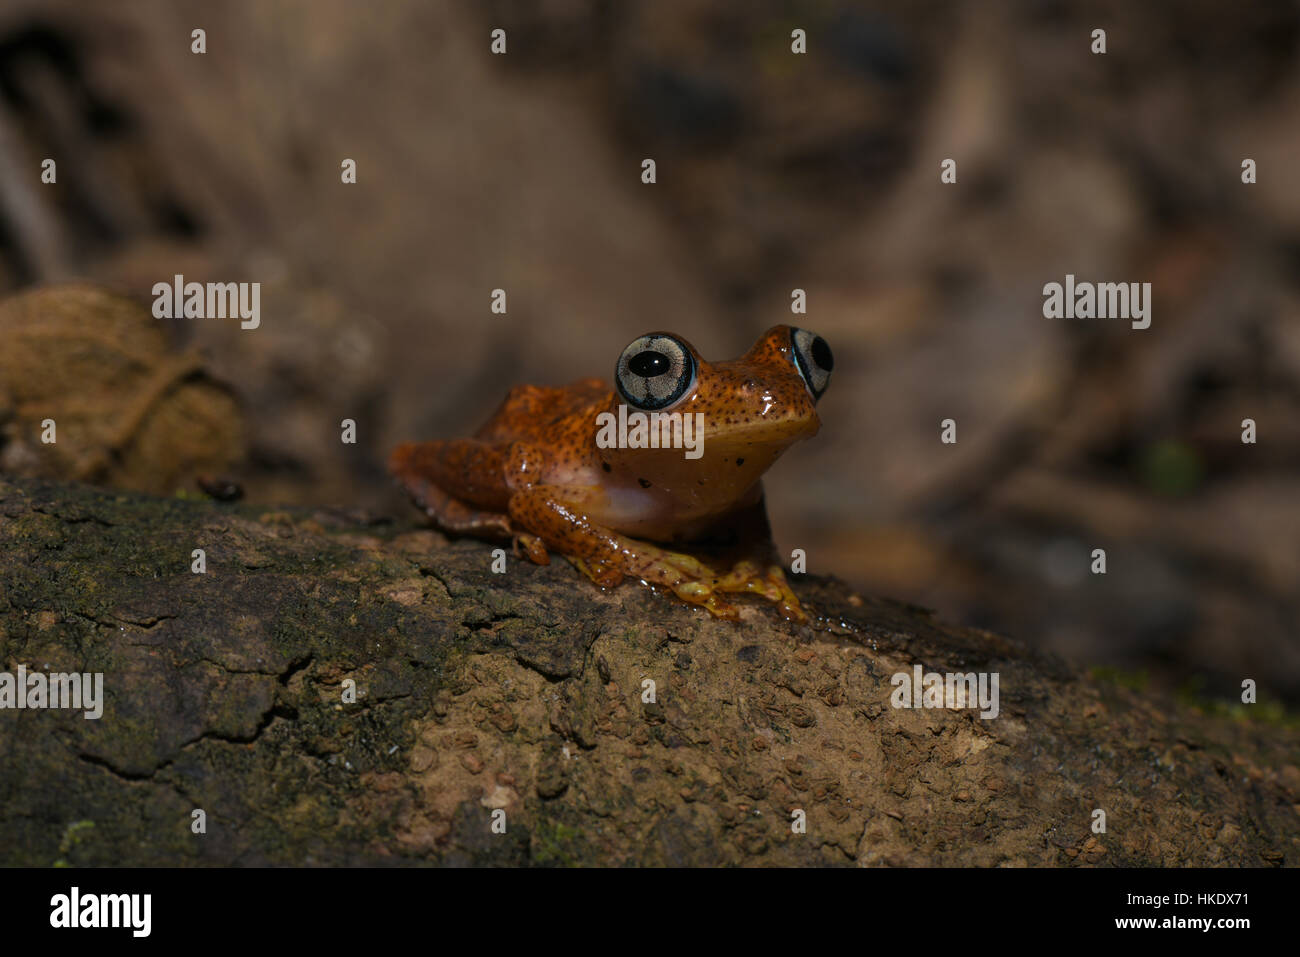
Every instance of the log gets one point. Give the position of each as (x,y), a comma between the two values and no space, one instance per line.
(525,693)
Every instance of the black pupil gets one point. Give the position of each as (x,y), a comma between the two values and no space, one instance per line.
(649,364)
(821,353)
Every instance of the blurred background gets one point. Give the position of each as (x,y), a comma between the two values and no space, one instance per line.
(775,171)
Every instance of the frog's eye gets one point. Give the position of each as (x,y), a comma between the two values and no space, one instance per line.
(654,371)
(812,354)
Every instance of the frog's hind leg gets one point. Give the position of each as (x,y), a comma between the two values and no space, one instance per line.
(453,515)
(423,468)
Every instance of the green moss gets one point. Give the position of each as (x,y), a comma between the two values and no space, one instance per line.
(1133,680)
(1172,468)
(73,835)
(556,844)
(1270,712)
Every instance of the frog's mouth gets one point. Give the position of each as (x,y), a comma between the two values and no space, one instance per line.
(661,437)
(741,458)
(768,433)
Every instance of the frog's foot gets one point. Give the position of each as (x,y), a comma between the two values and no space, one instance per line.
(684,575)
(697,583)
(747,576)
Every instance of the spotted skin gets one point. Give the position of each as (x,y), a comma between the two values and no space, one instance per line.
(534,473)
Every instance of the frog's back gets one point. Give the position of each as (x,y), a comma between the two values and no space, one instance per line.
(529,410)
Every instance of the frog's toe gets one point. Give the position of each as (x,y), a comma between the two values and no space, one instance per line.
(532,548)
(746,576)
(719,608)
(703,594)
(602,573)
(686,567)
(788,602)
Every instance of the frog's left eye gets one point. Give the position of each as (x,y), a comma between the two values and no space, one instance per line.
(654,371)
(812,354)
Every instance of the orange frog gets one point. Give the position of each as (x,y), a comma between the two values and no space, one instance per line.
(674,457)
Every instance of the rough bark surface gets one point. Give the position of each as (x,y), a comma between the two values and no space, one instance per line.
(523,692)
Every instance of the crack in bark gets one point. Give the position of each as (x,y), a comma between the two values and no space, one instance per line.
(277,712)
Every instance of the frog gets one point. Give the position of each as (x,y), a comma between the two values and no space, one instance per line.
(549,472)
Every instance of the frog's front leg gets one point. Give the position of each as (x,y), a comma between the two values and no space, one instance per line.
(556,515)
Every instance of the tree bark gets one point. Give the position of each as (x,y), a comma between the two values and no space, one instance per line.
(525,693)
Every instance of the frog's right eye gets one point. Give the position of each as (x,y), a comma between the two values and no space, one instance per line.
(654,371)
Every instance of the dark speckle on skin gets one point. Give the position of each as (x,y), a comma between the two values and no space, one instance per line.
(605,466)
(740,461)
(644,483)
